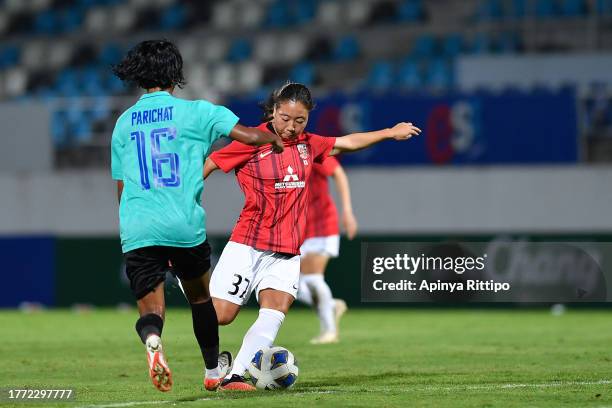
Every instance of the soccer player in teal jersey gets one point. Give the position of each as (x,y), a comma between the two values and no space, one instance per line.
(158,150)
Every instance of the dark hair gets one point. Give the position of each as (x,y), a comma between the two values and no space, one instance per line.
(291,91)
(152,64)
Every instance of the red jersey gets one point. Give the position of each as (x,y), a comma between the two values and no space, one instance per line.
(274,185)
(322,219)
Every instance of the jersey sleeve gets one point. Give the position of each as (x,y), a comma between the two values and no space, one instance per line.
(217,120)
(329,165)
(321,146)
(233,155)
(116,154)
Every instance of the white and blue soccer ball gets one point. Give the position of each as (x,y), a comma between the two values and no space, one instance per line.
(273,368)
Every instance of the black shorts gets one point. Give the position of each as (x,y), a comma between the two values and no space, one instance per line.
(146,267)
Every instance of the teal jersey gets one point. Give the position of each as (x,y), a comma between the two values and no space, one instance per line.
(158,149)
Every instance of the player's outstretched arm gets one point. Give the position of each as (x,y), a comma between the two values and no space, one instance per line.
(209,167)
(348,220)
(256,137)
(358,141)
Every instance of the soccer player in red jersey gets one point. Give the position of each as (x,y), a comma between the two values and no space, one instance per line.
(262,255)
(323,242)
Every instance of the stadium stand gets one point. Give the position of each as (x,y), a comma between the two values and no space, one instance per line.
(239,48)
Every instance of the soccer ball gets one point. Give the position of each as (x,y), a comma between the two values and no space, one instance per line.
(273,368)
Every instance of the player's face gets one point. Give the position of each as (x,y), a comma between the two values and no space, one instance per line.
(290,119)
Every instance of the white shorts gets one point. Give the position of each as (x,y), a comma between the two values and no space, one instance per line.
(329,246)
(242,270)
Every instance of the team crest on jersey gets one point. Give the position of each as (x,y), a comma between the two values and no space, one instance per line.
(303,150)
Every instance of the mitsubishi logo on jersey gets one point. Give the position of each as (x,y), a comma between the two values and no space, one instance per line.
(290,180)
(290,176)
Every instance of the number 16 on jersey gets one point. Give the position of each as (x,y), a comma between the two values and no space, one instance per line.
(158,159)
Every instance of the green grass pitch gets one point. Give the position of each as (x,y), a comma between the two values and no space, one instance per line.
(387,358)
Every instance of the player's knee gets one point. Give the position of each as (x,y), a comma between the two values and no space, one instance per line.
(226,311)
(276,300)
(280,305)
(225,318)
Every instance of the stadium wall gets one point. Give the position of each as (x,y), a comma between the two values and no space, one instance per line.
(89,271)
(59,230)
(25,130)
(555,199)
(527,71)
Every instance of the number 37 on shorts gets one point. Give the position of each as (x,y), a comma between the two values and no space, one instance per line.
(242,270)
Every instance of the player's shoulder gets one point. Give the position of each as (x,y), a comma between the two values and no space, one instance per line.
(200,103)
(205,106)
(311,137)
(315,135)
(235,147)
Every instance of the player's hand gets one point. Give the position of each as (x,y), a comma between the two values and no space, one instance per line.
(404,131)
(349,223)
(277,144)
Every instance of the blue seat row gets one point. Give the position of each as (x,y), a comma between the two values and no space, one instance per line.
(411,75)
(75,124)
(9,56)
(55,21)
(429,46)
(540,9)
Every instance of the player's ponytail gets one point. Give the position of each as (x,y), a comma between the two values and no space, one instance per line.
(152,64)
(291,91)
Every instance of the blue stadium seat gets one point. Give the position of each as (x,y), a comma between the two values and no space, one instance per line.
(101,108)
(173,17)
(439,74)
(82,128)
(261,93)
(240,50)
(573,8)
(79,123)
(518,8)
(409,75)
(424,46)
(110,2)
(482,44)
(411,11)
(110,54)
(303,73)
(9,56)
(85,4)
(92,83)
(509,42)
(545,9)
(59,128)
(114,85)
(46,23)
(604,6)
(67,83)
(70,19)
(381,76)
(278,15)
(452,45)
(490,10)
(304,11)
(347,49)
